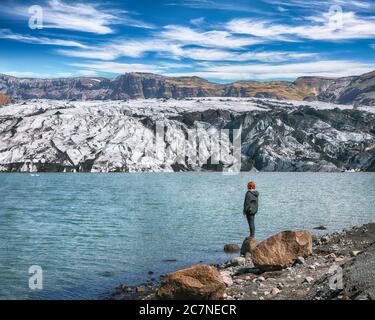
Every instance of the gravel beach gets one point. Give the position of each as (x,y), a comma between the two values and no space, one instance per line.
(341,268)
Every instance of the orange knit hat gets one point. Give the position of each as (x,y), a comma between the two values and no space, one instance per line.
(251,185)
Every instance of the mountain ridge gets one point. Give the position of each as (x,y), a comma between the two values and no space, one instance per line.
(135,85)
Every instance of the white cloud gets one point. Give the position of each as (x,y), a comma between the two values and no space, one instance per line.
(171,43)
(25,74)
(125,48)
(188,36)
(172,65)
(197,22)
(117,67)
(281,9)
(276,56)
(204,54)
(87,73)
(228,72)
(78,73)
(245,6)
(337,26)
(91,53)
(136,48)
(7,34)
(167,49)
(317,5)
(329,68)
(80,17)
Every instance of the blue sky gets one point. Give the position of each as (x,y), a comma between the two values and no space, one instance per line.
(222,41)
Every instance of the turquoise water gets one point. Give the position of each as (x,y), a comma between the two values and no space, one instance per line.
(90,232)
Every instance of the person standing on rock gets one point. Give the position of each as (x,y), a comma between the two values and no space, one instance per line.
(250,207)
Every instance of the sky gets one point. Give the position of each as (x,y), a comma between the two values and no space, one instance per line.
(222,41)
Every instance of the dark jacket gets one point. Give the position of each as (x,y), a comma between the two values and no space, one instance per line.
(250,205)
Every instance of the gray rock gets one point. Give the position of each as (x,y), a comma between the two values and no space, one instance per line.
(339,259)
(308,280)
(280,285)
(238,281)
(275,291)
(355,253)
(312,267)
(239,261)
(227,278)
(300,260)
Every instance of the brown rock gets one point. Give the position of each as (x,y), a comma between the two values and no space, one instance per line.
(139,289)
(4,99)
(198,282)
(231,248)
(248,245)
(282,249)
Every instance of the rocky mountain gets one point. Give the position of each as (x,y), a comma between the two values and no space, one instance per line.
(357,90)
(92,136)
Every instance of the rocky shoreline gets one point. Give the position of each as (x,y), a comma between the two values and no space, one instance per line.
(344,258)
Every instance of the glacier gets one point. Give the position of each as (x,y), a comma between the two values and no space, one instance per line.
(120,136)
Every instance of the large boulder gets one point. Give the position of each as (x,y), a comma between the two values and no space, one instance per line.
(4,99)
(231,248)
(282,249)
(198,282)
(248,245)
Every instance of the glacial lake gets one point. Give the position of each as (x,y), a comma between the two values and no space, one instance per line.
(90,232)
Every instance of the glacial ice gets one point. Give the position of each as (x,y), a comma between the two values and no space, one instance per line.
(106,136)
